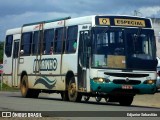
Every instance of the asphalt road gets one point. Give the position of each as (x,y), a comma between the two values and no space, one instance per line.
(12,101)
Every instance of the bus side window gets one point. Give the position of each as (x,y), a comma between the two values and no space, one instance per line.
(71,42)
(35,42)
(59,34)
(48,41)
(8,45)
(26,43)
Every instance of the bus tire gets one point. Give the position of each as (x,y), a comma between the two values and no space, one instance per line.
(25,91)
(98,99)
(106,99)
(73,94)
(126,100)
(64,96)
(24,86)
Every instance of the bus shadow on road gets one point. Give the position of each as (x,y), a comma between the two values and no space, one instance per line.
(117,104)
(89,102)
(158,91)
(98,103)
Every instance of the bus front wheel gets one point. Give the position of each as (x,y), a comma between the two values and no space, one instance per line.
(25,91)
(126,100)
(73,94)
(98,99)
(24,86)
(64,96)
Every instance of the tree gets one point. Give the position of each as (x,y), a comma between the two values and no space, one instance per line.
(1,51)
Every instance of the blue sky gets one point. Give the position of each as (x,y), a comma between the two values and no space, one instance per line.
(15,13)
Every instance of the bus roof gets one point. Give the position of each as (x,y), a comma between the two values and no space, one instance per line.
(47,21)
(56,23)
(13,31)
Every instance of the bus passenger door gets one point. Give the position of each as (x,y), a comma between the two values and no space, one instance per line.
(15,63)
(83,62)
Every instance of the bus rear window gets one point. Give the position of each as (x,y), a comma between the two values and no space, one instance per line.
(8,45)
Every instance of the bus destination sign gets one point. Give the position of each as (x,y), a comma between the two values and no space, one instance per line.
(123,21)
(129,22)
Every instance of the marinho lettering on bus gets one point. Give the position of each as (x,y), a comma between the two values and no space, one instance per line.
(46,64)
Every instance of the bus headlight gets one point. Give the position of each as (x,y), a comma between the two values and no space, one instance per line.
(149,82)
(101,80)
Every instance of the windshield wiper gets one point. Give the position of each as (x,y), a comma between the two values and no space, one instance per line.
(136,36)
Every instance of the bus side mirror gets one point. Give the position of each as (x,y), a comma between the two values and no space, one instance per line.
(22,52)
(88,56)
(87,38)
(88,42)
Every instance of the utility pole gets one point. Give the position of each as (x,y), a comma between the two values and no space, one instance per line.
(136,12)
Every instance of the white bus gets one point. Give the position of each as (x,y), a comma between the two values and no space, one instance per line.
(100,56)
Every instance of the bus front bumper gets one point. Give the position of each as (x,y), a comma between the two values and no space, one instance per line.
(111,87)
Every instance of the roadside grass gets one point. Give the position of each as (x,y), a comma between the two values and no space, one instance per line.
(5,87)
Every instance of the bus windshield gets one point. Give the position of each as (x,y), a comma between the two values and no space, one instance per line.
(127,48)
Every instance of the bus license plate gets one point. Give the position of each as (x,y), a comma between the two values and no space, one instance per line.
(127,87)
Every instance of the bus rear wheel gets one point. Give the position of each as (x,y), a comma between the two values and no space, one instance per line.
(126,100)
(25,91)
(73,94)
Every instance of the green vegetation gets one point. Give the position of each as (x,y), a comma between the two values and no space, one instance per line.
(5,87)
(1,51)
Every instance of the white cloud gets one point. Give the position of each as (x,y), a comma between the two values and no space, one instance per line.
(150,11)
(14,21)
(15,14)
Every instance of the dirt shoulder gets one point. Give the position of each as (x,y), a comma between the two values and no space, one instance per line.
(147,100)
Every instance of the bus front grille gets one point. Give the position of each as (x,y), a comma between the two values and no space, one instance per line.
(129,82)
